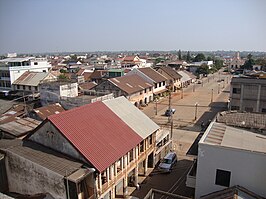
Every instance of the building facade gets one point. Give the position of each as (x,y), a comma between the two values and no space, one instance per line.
(248,94)
(12,68)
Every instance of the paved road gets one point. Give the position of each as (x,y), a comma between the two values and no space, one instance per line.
(211,97)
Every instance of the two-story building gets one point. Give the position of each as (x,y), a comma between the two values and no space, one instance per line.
(13,68)
(30,81)
(248,94)
(112,137)
(153,77)
(136,89)
(173,78)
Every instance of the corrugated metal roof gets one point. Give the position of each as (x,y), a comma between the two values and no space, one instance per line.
(130,84)
(185,77)
(20,126)
(222,135)
(132,116)
(97,132)
(153,74)
(45,157)
(44,112)
(171,72)
(30,78)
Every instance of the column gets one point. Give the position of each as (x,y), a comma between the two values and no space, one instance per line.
(258,99)
(100,182)
(136,174)
(125,186)
(137,152)
(108,174)
(113,192)
(112,172)
(241,97)
(122,163)
(145,166)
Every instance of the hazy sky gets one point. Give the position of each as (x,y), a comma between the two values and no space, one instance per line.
(29,26)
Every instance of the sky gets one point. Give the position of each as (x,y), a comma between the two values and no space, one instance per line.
(38,26)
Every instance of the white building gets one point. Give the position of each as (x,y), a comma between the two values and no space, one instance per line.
(13,68)
(229,156)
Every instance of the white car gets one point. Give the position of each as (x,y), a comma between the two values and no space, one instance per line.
(168,162)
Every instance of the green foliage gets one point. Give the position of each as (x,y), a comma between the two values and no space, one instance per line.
(159,60)
(63,71)
(249,63)
(199,57)
(261,61)
(188,58)
(62,77)
(179,55)
(203,69)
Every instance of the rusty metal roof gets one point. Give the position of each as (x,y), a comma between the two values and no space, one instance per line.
(131,83)
(153,74)
(30,78)
(43,156)
(20,126)
(97,133)
(44,112)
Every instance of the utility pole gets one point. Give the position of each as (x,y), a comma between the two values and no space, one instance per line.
(212,96)
(182,93)
(196,110)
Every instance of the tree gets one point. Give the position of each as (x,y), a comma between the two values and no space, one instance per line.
(199,57)
(203,69)
(188,58)
(249,63)
(179,55)
(209,58)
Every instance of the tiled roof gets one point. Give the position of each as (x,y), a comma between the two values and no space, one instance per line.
(97,133)
(130,84)
(30,78)
(171,72)
(153,74)
(46,111)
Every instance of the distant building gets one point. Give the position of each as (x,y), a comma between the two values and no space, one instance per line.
(248,94)
(43,112)
(153,77)
(236,62)
(30,81)
(12,68)
(173,78)
(136,89)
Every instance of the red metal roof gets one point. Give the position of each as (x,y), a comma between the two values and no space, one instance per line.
(97,133)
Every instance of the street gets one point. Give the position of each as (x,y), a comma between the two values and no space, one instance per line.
(196,104)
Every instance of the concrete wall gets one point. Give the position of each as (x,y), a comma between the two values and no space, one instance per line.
(247,169)
(252,96)
(26,177)
(49,136)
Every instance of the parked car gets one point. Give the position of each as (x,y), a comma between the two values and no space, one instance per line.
(168,162)
(169,112)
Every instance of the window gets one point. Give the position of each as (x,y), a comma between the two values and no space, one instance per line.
(36,88)
(155,85)
(248,109)
(30,88)
(18,86)
(237,90)
(145,91)
(24,87)
(44,71)
(35,63)
(263,110)
(234,107)
(150,89)
(222,178)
